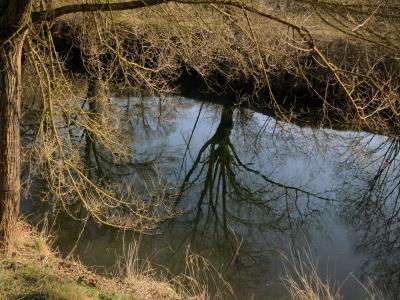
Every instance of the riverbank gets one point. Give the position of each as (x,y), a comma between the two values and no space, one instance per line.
(343,82)
(32,270)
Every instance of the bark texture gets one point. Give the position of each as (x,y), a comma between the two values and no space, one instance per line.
(13,18)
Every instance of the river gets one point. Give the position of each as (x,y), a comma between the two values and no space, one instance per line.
(252,190)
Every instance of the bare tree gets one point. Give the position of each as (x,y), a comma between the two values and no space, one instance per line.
(18,18)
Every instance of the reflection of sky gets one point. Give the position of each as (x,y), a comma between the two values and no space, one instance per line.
(290,155)
(316,161)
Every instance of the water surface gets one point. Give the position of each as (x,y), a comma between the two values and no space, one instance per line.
(254,189)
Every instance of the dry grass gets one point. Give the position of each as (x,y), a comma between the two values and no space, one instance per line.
(200,280)
(28,242)
(33,269)
(141,276)
(303,280)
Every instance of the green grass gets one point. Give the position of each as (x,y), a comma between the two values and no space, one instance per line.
(31,270)
(33,281)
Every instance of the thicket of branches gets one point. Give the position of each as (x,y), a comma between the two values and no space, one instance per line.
(353,47)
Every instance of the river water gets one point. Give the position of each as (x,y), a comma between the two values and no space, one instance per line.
(253,191)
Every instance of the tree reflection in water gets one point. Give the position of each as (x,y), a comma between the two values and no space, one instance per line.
(374,212)
(231,192)
(242,205)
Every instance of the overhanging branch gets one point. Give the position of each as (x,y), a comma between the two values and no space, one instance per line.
(92,7)
(117,6)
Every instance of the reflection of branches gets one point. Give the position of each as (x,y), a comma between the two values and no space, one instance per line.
(232,191)
(375,213)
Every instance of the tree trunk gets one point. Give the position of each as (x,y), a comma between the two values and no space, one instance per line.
(12,34)
(10,98)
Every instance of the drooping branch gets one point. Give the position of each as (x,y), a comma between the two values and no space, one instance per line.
(136,4)
(46,15)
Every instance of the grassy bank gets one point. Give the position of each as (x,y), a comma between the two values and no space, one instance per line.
(33,279)
(31,270)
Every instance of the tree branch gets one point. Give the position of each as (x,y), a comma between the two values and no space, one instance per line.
(40,16)
(93,7)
